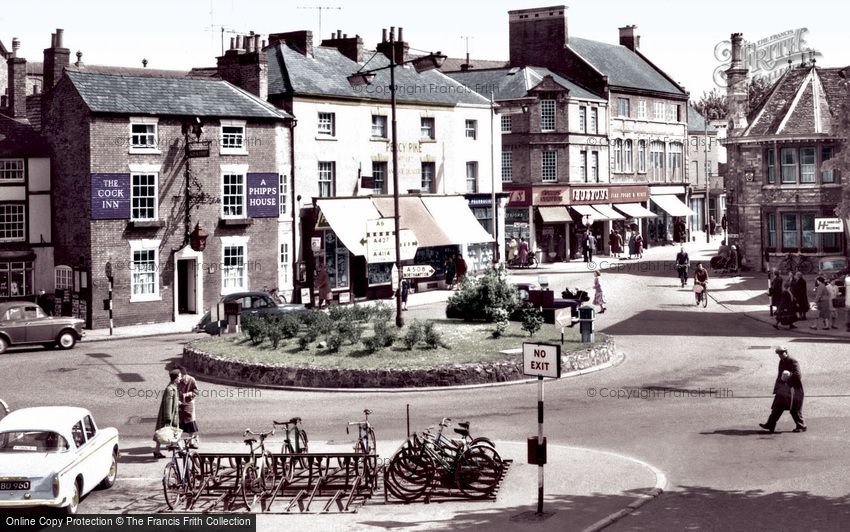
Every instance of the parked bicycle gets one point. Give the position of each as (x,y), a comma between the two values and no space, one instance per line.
(365,435)
(180,474)
(295,440)
(258,473)
(797,263)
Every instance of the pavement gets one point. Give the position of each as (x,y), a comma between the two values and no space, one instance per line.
(578,497)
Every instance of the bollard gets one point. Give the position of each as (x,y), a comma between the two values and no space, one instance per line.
(586,316)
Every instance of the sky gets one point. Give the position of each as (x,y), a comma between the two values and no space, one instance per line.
(679,37)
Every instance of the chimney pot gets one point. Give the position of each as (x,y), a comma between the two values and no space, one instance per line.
(53,40)
(238,42)
(256,42)
(144,63)
(384,35)
(344,35)
(264,43)
(59,33)
(400,36)
(232,43)
(16,44)
(79,62)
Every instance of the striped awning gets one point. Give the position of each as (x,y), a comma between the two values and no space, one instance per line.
(634,210)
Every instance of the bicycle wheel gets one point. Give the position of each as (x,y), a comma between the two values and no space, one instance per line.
(486,446)
(410,474)
(303,441)
(704,298)
(477,475)
(252,486)
(269,473)
(172,486)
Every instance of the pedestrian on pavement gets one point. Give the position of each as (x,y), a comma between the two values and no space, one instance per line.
(774,290)
(712,227)
(801,295)
(168,409)
(639,245)
(523,252)
(460,267)
(823,301)
(405,290)
(733,260)
(723,224)
(788,393)
(723,250)
(589,244)
(612,238)
(512,249)
(632,245)
(833,295)
(661,231)
(188,391)
(619,244)
(598,296)
(786,312)
(45,302)
(451,268)
(847,302)
(323,285)
(562,249)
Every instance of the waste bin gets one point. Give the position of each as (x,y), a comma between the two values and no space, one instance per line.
(586,316)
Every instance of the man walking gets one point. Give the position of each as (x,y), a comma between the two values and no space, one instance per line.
(788,393)
(589,244)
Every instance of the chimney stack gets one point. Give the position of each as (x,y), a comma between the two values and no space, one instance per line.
(246,68)
(301,41)
(350,47)
(400,52)
(629,37)
(17,83)
(56,58)
(538,36)
(736,87)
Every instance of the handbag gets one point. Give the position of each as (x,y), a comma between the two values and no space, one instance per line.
(167,434)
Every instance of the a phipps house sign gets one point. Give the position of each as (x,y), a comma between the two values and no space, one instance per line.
(541,360)
(262,195)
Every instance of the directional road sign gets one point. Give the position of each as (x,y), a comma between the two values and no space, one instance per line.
(417,271)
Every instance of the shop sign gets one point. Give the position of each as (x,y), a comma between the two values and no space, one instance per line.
(110,196)
(519,197)
(613,194)
(551,196)
(828,225)
(262,195)
(516,215)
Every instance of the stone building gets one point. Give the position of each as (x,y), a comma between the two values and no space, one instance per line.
(777,187)
(705,155)
(147,156)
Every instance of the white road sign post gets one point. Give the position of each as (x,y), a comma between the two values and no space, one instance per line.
(417,271)
(380,240)
(541,360)
(408,244)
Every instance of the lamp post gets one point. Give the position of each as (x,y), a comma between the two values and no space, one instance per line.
(493,220)
(360,78)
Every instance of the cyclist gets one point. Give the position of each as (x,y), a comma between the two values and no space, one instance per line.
(682,264)
(700,279)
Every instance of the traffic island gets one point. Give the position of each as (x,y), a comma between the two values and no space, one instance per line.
(467,354)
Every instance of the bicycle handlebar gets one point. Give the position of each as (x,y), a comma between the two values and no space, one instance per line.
(260,434)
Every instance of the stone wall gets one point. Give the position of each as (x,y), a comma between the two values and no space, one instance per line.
(220,368)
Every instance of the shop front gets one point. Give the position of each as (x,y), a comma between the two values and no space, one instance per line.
(671,226)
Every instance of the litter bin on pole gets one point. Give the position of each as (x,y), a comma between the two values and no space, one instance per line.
(586,316)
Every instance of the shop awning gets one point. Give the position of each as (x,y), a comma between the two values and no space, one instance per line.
(585,210)
(415,216)
(672,205)
(608,213)
(554,214)
(634,210)
(347,217)
(454,218)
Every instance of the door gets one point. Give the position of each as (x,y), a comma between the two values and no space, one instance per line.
(358,276)
(186,286)
(15,324)
(40,328)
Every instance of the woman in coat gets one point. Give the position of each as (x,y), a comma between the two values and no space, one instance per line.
(615,247)
(599,296)
(786,313)
(168,409)
(801,295)
(823,302)
(774,290)
(451,269)
(639,245)
(632,245)
(523,252)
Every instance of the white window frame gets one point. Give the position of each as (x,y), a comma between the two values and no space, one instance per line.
(9,167)
(242,149)
(593,121)
(582,119)
(139,246)
(582,169)
(285,265)
(144,148)
(624,103)
(507,166)
(551,166)
(430,183)
(383,167)
(618,155)
(63,278)
(506,123)
(594,166)
(432,127)
(234,169)
(471,177)
(283,194)
(548,120)
(133,176)
(658,111)
(383,126)
(332,180)
(671,112)
(23,217)
(321,130)
(471,129)
(641,109)
(641,152)
(232,242)
(628,154)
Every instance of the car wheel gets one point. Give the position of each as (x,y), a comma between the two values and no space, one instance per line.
(74,501)
(67,340)
(4,344)
(109,480)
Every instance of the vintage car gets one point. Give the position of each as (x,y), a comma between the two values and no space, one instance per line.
(835,268)
(24,322)
(253,303)
(53,456)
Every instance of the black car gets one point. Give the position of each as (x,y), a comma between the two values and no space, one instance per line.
(253,303)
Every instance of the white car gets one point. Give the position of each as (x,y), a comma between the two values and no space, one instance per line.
(53,456)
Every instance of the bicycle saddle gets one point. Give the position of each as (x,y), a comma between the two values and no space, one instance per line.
(463,432)
(250,440)
(367,411)
(172,446)
(295,420)
(463,424)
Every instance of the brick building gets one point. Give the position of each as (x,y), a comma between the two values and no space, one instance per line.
(343,167)
(145,156)
(776,183)
(705,154)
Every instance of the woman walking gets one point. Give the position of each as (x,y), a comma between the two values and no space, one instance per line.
(639,245)
(599,296)
(615,248)
(774,290)
(801,294)
(632,246)
(823,302)
(786,312)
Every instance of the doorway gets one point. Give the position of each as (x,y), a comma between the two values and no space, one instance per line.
(186,286)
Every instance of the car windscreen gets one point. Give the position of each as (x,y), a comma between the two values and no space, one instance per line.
(831,265)
(41,441)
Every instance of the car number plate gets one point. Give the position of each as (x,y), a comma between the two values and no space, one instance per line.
(14,485)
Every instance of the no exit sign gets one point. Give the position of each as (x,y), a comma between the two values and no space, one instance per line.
(541,360)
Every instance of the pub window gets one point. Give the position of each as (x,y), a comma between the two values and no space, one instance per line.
(16,279)
(233,196)
(807,165)
(283,193)
(426,127)
(284,264)
(63,278)
(233,271)
(471,129)
(11,170)
(143,196)
(379,126)
(771,166)
(143,136)
(143,275)
(12,222)
(826,176)
(232,138)
(327,124)
(789,165)
(771,230)
(336,257)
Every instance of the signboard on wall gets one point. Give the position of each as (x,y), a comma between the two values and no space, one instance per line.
(262,195)
(829,225)
(110,196)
